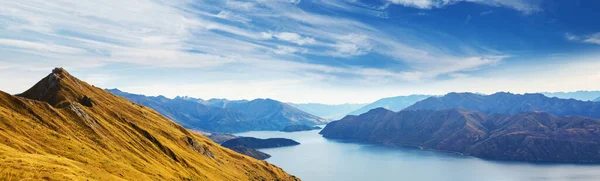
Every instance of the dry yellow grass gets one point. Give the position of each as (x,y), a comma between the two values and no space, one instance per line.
(65,129)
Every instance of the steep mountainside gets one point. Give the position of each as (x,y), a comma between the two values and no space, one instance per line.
(391,103)
(65,129)
(532,136)
(579,95)
(507,103)
(230,117)
(332,112)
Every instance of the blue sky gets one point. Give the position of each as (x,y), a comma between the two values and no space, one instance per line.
(326,51)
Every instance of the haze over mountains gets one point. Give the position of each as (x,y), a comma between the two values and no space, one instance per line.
(65,129)
(392,103)
(328,111)
(508,103)
(579,95)
(224,116)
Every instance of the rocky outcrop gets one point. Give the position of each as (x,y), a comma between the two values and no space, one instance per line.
(533,136)
(295,128)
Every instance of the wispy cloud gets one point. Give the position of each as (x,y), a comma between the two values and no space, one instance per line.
(595,39)
(525,6)
(486,13)
(234,41)
(208,34)
(592,39)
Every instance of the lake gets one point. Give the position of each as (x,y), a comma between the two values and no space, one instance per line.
(320,159)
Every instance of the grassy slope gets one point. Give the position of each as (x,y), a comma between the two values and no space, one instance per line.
(57,138)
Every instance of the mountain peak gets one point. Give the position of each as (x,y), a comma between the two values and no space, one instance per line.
(60,71)
(59,87)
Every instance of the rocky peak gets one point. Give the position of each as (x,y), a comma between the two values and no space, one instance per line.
(60,87)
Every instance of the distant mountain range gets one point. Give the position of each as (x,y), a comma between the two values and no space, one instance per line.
(328,111)
(597,99)
(392,103)
(224,116)
(507,103)
(63,128)
(532,136)
(579,95)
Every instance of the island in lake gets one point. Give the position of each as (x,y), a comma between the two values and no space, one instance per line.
(248,145)
(295,128)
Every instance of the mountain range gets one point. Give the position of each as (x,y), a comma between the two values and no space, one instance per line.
(579,95)
(531,136)
(65,129)
(508,103)
(392,103)
(224,116)
(328,111)
(597,99)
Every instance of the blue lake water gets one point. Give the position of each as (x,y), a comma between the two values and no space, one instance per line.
(320,159)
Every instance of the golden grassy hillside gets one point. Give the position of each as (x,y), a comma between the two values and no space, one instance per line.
(65,129)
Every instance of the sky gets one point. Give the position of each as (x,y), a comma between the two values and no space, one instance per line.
(301,51)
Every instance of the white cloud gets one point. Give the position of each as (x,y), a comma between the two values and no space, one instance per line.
(240,40)
(291,37)
(423,4)
(592,39)
(37,46)
(486,13)
(352,45)
(524,6)
(595,39)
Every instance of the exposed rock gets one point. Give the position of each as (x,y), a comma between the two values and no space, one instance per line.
(198,147)
(86,101)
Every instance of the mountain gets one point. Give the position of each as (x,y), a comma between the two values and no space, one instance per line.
(327,111)
(65,129)
(579,95)
(278,114)
(507,103)
(597,99)
(220,103)
(391,103)
(228,116)
(533,136)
